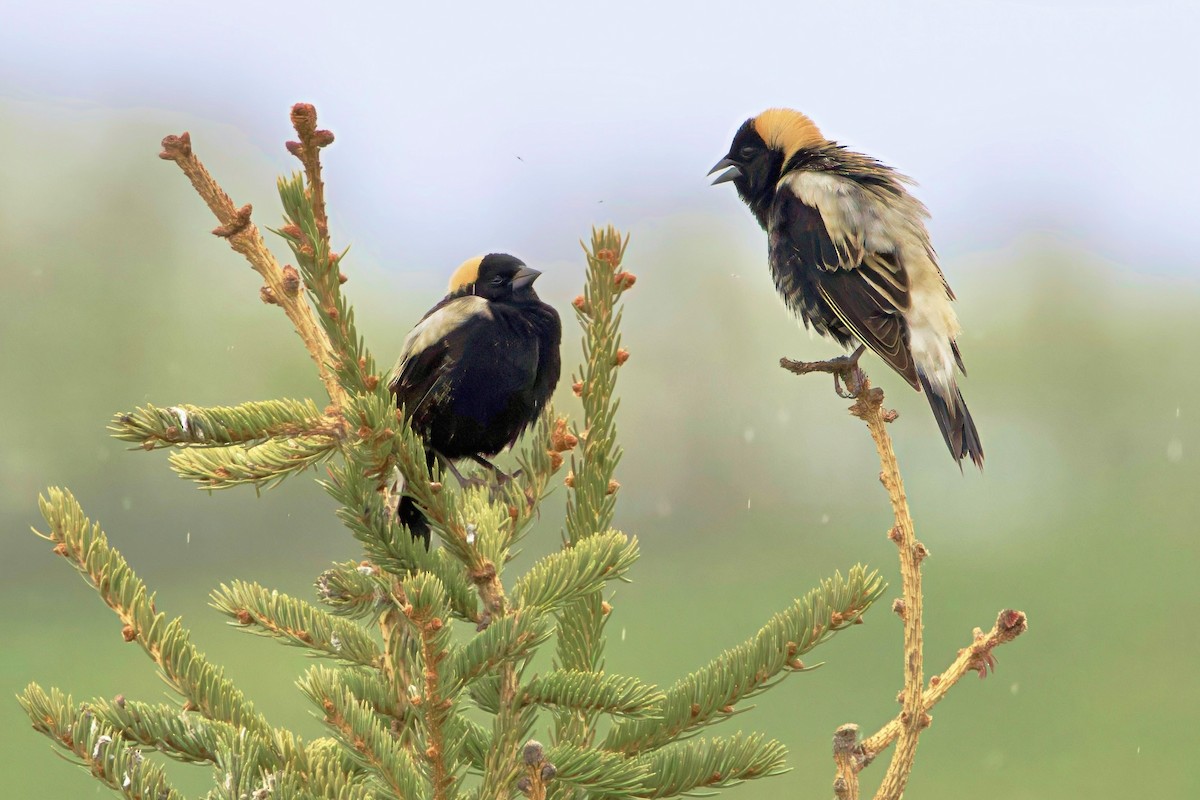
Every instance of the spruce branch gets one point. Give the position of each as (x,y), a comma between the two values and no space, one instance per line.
(354,590)
(588,692)
(261,465)
(282,285)
(182,735)
(538,462)
(270,613)
(510,639)
(307,234)
(363,732)
(95,746)
(711,694)
(593,487)
(167,643)
(199,426)
(702,764)
(562,578)
(594,772)
(850,756)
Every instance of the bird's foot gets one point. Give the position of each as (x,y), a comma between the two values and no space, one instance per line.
(463,481)
(501,478)
(843,368)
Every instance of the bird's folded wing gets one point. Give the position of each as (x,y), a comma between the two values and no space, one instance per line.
(419,376)
(819,229)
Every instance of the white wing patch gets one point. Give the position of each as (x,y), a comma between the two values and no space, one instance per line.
(437,325)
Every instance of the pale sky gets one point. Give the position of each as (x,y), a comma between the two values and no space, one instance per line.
(467,127)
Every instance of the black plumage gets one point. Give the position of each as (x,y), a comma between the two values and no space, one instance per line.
(479,367)
(850,254)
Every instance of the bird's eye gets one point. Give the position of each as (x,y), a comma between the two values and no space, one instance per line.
(498,280)
(749,151)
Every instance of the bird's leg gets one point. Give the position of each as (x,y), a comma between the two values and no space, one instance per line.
(463,482)
(501,478)
(850,373)
(843,368)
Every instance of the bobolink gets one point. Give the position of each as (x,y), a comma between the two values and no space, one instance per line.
(849,253)
(478,368)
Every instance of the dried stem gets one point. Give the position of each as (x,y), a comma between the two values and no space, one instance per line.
(282,283)
(847,757)
(851,756)
(975,657)
(869,407)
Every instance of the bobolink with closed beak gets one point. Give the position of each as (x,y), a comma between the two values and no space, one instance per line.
(478,368)
(850,254)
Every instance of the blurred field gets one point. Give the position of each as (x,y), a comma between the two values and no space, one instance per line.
(744,484)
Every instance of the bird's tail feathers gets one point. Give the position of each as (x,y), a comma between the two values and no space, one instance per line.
(953,419)
(411,516)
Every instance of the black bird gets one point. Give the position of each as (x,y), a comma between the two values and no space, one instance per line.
(850,254)
(478,368)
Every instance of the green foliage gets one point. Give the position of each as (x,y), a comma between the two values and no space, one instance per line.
(599,692)
(710,694)
(296,622)
(428,690)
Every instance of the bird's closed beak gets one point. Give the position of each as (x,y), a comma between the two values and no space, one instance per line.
(524,277)
(734,171)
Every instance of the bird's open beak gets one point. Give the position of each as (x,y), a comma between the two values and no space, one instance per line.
(524,278)
(734,171)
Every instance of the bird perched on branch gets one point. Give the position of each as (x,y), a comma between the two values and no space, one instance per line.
(478,368)
(850,254)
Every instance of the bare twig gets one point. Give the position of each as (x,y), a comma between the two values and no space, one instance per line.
(869,407)
(975,657)
(282,283)
(847,756)
(851,756)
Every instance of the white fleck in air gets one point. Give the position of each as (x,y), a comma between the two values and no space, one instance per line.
(1175,451)
(1016,687)
(622,634)
(1177,413)
(182,414)
(126,503)
(189,537)
(824,519)
(747,503)
(748,435)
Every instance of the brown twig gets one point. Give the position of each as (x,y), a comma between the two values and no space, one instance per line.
(975,657)
(850,755)
(847,759)
(282,287)
(868,407)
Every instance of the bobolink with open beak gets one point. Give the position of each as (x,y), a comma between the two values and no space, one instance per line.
(478,368)
(850,254)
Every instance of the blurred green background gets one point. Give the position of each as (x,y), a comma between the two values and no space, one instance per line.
(745,485)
